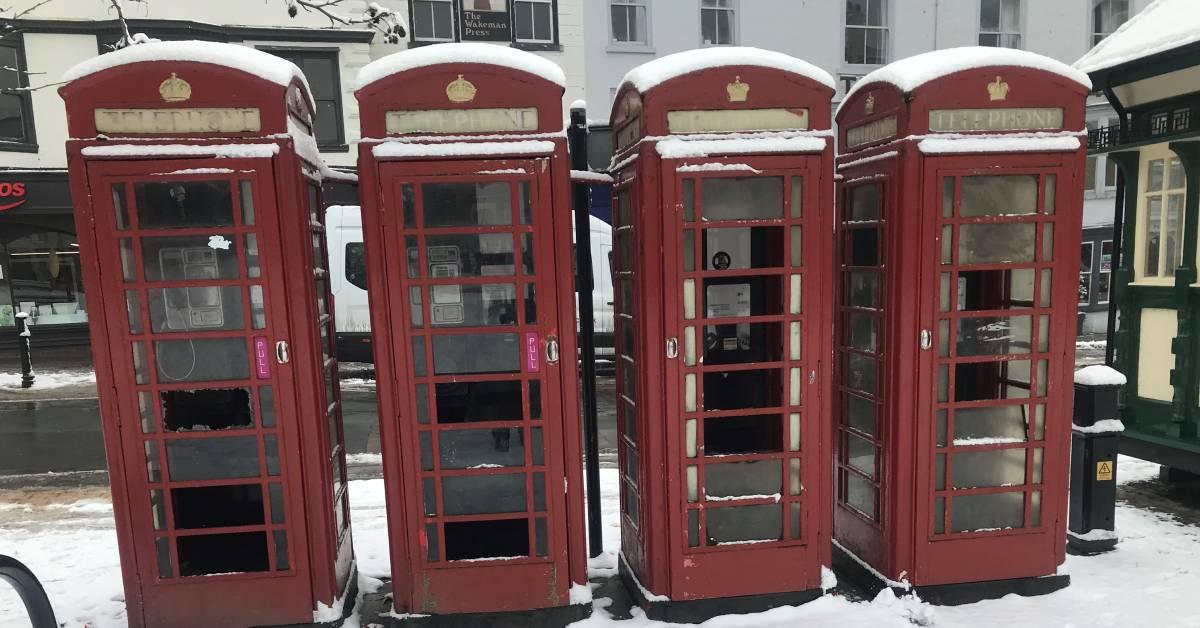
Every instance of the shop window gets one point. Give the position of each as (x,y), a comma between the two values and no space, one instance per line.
(533,21)
(1107,15)
(432,20)
(1181,120)
(1161,210)
(320,65)
(1085,272)
(630,22)
(1000,23)
(718,22)
(866,32)
(16,110)
(1104,278)
(45,280)
(1160,123)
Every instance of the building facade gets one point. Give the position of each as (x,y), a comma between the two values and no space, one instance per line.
(39,271)
(849,38)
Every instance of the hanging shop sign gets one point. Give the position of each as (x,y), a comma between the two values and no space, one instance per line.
(485,20)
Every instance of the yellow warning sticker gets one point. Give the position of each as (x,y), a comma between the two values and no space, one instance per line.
(1104,470)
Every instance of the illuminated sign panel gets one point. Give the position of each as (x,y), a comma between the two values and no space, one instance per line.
(462,120)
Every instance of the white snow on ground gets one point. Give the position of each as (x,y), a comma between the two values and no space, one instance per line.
(1163,25)
(438,54)
(49,379)
(1149,581)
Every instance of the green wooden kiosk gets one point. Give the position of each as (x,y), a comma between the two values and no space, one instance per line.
(1149,70)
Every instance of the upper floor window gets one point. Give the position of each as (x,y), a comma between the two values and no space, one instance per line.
(533,21)
(630,22)
(16,111)
(1100,173)
(320,65)
(1107,15)
(1161,209)
(433,20)
(866,32)
(1000,23)
(718,22)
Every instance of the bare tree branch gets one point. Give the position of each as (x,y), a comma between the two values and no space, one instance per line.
(383,20)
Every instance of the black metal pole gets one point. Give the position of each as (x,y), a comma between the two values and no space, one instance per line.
(24,349)
(1113,265)
(584,284)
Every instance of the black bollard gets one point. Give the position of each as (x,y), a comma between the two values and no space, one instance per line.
(23,336)
(1094,438)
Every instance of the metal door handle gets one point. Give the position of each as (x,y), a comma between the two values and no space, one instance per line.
(672,348)
(926,339)
(281,352)
(551,350)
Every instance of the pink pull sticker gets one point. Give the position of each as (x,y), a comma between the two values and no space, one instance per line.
(532,361)
(262,361)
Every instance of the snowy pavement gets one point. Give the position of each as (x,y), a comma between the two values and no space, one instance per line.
(66,536)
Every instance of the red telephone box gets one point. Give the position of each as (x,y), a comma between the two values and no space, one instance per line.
(721,212)
(198,205)
(959,195)
(468,237)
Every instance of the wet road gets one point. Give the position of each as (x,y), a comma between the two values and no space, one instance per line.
(63,435)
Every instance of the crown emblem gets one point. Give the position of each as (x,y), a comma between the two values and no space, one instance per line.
(737,90)
(869,105)
(998,89)
(460,90)
(175,89)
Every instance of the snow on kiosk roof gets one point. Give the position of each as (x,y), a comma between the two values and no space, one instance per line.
(653,73)
(910,73)
(1163,25)
(453,53)
(244,58)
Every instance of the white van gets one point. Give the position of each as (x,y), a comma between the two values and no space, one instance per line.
(348,281)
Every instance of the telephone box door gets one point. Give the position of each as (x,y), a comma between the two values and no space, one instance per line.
(194,304)
(750,333)
(481,412)
(992,351)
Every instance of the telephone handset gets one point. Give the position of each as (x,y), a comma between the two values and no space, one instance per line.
(191,308)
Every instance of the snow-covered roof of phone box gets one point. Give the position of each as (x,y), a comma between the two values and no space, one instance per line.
(1163,25)
(244,58)
(663,69)
(912,72)
(438,54)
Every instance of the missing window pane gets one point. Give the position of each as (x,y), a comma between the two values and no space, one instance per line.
(222,554)
(737,390)
(207,409)
(753,434)
(217,506)
(473,540)
(466,402)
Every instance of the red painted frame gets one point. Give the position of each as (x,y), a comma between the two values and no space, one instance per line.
(320,568)
(648,211)
(901,542)
(420,585)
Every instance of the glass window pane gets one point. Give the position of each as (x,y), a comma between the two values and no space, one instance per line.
(741,479)
(471,305)
(476,494)
(467,204)
(1008,423)
(212,458)
(476,353)
(997,511)
(992,243)
(994,335)
(865,203)
(861,494)
(201,359)
(994,289)
(189,258)
(468,255)
(744,523)
(205,308)
(979,469)
(181,204)
(751,198)
(982,381)
(474,449)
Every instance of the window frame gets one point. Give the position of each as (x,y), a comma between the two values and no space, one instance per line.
(633,46)
(1085,274)
(733,9)
(340,145)
(1094,31)
(412,20)
(1000,33)
(886,27)
(1100,272)
(1149,154)
(534,44)
(28,144)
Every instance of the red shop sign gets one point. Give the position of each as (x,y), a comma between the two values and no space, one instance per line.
(11,195)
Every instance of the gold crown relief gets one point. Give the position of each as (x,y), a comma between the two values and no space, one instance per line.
(998,89)
(737,90)
(175,89)
(869,105)
(460,90)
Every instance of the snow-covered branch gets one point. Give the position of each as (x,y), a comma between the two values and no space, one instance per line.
(381,19)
